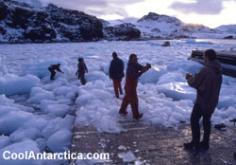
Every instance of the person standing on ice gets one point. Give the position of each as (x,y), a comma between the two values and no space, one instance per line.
(116,73)
(207,83)
(133,72)
(53,68)
(82,69)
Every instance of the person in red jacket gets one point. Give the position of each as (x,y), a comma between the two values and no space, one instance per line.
(207,83)
(133,72)
(52,69)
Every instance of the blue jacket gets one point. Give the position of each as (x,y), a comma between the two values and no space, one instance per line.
(116,70)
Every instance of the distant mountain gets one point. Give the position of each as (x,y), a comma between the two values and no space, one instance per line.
(155,25)
(227,28)
(28,21)
(164,26)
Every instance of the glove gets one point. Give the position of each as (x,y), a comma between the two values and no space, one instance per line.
(148,65)
(188,75)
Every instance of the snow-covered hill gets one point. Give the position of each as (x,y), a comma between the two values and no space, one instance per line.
(154,25)
(227,28)
(30,21)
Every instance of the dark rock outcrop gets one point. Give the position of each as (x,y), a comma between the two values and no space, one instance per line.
(20,22)
(124,31)
(229,37)
(3,11)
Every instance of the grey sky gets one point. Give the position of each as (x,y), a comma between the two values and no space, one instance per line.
(208,12)
(95,7)
(209,7)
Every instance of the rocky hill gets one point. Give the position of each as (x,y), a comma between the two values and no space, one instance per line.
(20,22)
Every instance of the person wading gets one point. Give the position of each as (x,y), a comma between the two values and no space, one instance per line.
(133,72)
(82,69)
(116,73)
(207,83)
(52,69)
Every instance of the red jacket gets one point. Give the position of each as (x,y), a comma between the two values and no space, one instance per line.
(133,72)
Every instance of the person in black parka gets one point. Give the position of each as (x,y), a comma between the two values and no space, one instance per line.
(116,73)
(207,83)
(82,69)
(52,69)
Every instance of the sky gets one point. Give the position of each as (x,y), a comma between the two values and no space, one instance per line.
(211,13)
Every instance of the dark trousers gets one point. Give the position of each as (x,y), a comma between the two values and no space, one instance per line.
(82,79)
(117,87)
(53,74)
(132,99)
(196,115)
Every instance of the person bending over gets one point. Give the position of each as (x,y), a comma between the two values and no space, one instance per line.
(53,69)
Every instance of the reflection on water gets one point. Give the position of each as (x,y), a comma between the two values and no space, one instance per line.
(218,41)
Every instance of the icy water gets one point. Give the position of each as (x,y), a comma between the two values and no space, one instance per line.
(15,57)
(219,41)
(164,96)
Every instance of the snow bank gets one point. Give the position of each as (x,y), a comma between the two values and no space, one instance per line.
(151,76)
(96,75)
(177,90)
(40,68)
(38,94)
(174,85)
(4,141)
(184,66)
(56,124)
(227,94)
(22,134)
(60,141)
(127,156)
(54,108)
(11,84)
(98,107)
(21,147)
(19,125)
(12,119)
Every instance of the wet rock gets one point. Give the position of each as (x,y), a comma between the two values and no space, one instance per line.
(166,44)
(42,33)
(3,11)
(229,37)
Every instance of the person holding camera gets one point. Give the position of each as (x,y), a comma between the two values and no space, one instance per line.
(133,72)
(207,83)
